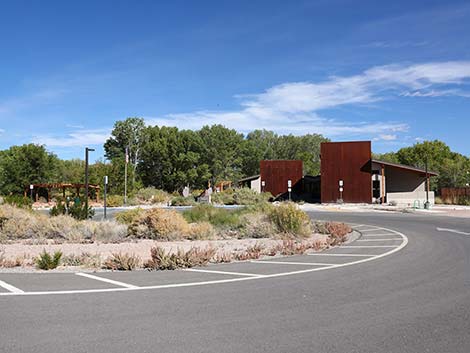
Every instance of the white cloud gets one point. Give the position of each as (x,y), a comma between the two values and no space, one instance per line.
(294,107)
(75,139)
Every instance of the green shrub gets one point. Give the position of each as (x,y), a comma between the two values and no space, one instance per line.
(153,195)
(160,224)
(122,262)
(77,210)
(242,196)
(463,201)
(46,261)
(18,201)
(289,219)
(161,260)
(218,217)
(183,201)
(225,197)
(128,216)
(114,201)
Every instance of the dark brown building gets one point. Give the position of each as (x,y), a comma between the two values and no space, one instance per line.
(348,163)
(275,175)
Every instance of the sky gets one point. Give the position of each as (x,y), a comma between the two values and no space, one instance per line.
(394,72)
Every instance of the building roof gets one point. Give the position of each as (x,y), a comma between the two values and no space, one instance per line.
(405,167)
(253,177)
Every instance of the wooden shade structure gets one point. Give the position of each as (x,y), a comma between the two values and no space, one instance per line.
(63,186)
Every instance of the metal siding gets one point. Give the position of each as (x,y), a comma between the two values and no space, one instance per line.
(276,173)
(350,162)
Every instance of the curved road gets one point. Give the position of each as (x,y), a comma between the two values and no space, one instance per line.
(415,300)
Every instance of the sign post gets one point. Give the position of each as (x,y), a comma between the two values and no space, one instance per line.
(289,188)
(341,189)
(31,187)
(104,194)
(263,184)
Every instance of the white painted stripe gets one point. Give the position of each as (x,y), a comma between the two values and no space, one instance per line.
(370,230)
(10,288)
(224,272)
(367,246)
(346,255)
(291,263)
(451,231)
(377,235)
(230,280)
(107,280)
(384,239)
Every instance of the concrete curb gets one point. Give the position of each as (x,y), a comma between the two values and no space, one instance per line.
(352,237)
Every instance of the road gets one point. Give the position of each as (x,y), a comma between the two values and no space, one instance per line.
(414,300)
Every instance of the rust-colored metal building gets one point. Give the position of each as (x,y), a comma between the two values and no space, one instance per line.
(275,174)
(349,163)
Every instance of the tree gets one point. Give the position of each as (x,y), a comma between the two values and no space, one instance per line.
(24,165)
(126,134)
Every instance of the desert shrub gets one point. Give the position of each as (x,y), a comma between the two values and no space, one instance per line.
(22,224)
(225,197)
(289,219)
(257,225)
(182,201)
(463,200)
(153,195)
(159,224)
(161,260)
(201,230)
(196,192)
(128,216)
(46,261)
(114,201)
(247,196)
(122,262)
(438,200)
(218,217)
(85,259)
(77,210)
(18,201)
(105,232)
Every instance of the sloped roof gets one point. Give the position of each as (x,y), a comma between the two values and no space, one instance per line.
(405,167)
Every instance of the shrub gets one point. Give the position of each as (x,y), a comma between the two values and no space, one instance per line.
(218,217)
(247,196)
(77,210)
(463,201)
(128,216)
(18,201)
(153,195)
(161,260)
(225,197)
(114,201)
(122,262)
(46,261)
(257,225)
(288,218)
(159,224)
(202,230)
(183,201)
(85,259)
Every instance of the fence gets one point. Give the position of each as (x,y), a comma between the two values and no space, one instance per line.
(455,195)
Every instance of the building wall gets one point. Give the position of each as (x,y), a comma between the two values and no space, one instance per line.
(276,173)
(256,184)
(350,162)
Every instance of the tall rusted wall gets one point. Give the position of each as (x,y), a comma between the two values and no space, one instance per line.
(350,162)
(276,173)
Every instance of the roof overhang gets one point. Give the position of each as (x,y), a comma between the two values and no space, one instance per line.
(405,167)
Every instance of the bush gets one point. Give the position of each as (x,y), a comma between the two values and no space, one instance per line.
(289,219)
(161,260)
(183,201)
(128,216)
(257,225)
(122,262)
(247,196)
(159,224)
(463,201)
(202,230)
(84,259)
(218,217)
(114,201)
(18,201)
(153,195)
(46,261)
(77,210)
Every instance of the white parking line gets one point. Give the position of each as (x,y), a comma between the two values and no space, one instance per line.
(369,230)
(224,272)
(10,288)
(346,255)
(378,235)
(107,280)
(367,246)
(384,239)
(291,263)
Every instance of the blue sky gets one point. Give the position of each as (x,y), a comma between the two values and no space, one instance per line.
(393,72)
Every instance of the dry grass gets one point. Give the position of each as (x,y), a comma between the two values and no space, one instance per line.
(161,260)
(159,224)
(122,262)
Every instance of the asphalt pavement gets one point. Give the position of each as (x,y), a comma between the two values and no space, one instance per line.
(413,298)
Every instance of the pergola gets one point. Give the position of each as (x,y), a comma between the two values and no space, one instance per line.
(63,186)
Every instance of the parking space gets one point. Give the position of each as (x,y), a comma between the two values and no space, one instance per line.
(374,243)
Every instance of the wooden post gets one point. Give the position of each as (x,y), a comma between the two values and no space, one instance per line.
(48,195)
(382,189)
(63,192)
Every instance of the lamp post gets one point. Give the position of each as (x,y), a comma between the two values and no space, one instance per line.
(104,194)
(87,150)
(31,187)
(289,188)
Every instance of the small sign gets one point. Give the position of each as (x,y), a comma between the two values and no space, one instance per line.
(340,189)
(263,183)
(31,187)
(105,180)
(289,189)
(289,183)
(341,183)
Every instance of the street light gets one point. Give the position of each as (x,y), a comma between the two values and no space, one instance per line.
(87,150)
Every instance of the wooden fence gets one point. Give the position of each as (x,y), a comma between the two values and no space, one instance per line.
(453,195)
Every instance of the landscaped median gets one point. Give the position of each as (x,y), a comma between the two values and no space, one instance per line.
(161,239)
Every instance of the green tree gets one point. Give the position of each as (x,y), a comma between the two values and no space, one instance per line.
(24,165)
(128,134)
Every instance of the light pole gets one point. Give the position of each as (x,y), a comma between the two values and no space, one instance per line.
(87,150)
(125,176)
(31,187)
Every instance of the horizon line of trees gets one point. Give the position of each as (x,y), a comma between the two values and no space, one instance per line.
(169,158)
